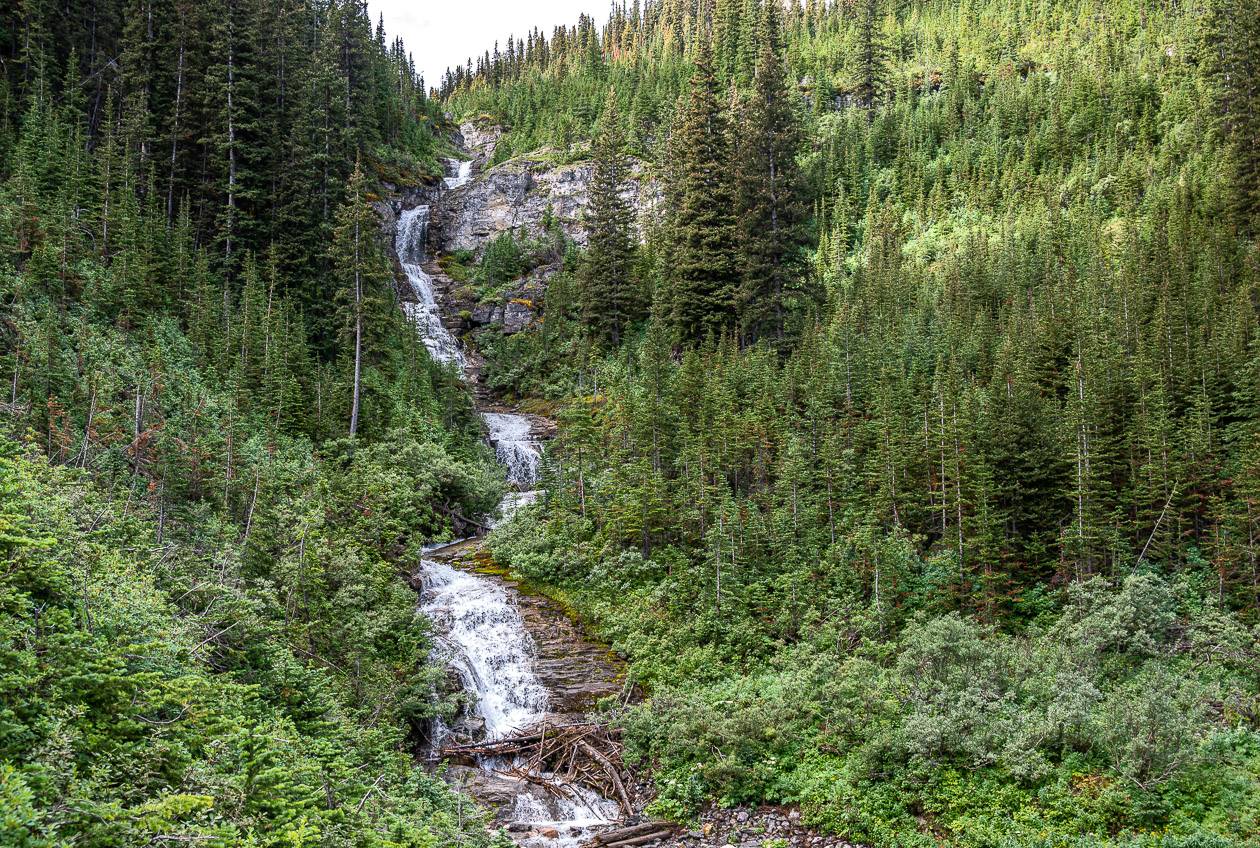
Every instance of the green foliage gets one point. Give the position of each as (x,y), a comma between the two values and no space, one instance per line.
(246,114)
(168,689)
(203,633)
(612,299)
(944,557)
(700,243)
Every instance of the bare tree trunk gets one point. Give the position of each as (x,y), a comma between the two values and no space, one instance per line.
(179,95)
(139,426)
(231,127)
(358,332)
(87,429)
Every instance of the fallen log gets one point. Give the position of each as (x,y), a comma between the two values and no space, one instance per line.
(611,771)
(638,840)
(621,834)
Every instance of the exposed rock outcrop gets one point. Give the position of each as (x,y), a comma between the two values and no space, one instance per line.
(517,195)
(481,139)
(519,307)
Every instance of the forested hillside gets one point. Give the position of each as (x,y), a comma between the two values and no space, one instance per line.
(220,443)
(913,453)
(908,417)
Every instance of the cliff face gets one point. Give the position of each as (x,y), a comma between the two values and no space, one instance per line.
(516,195)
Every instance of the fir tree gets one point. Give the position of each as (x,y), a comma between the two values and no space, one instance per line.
(872,59)
(704,272)
(770,198)
(1234,61)
(361,270)
(611,298)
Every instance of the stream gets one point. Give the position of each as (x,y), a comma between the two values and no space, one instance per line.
(485,625)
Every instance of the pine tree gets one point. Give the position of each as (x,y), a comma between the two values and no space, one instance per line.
(770,198)
(1234,61)
(705,272)
(611,299)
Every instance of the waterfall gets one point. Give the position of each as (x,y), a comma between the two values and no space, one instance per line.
(515,446)
(484,639)
(487,645)
(409,242)
(458,172)
(481,635)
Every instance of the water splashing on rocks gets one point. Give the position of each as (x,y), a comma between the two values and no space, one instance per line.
(486,643)
(458,172)
(482,636)
(515,446)
(409,242)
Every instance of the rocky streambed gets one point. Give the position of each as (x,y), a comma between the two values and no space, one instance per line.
(525,662)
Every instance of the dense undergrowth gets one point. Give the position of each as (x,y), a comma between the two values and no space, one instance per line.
(221,445)
(966,553)
(1119,716)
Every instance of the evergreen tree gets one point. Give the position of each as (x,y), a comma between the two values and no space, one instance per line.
(872,58)
(611,298)
(1233,51)
(770,197)
(704,270)
(363,273)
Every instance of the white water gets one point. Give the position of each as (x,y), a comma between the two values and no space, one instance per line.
(512,503)
(574,820)
(483,637)
(515,446)
(459,172)
(485,641)
(410,243)
(488,647)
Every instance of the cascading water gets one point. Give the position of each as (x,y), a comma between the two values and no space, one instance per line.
(515,446)
(485,641)
(483,637)
(488,647)
(410,243)
(462,172)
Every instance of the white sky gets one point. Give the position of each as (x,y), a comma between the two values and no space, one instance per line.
(444,33)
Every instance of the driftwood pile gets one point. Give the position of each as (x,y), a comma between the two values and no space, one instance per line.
(557,756)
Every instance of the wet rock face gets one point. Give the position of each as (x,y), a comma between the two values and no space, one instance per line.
(516,195)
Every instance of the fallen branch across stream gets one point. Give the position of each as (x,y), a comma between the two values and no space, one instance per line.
(557,757)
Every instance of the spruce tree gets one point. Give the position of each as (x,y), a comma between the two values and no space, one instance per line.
(610,289)
(872,59)
(705,271)
(770,199)
(361,271)
(1234,62)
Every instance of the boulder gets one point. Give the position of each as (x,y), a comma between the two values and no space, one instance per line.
(517,315)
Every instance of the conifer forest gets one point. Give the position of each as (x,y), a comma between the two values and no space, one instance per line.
(750,423)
